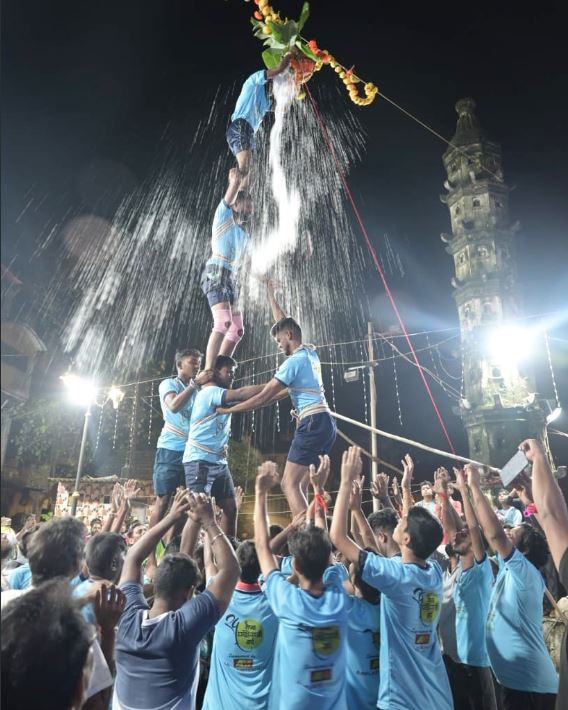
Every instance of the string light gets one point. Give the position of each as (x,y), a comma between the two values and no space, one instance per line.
(99,428)
(150,414)
(115,429)
(396,388)
(364,383)
(332,379)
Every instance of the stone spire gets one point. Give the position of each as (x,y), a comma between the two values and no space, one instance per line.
(468,130)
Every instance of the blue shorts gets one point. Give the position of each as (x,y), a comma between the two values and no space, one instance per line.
(168,471)
(240,136)
(315,435)
(213,479)
(219,286)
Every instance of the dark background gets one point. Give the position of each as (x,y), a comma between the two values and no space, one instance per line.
(88,89)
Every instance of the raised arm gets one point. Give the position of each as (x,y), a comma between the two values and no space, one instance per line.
(267,477)
(470,516)
(451,521)
(351,466)
(358,519)
(233,187)
(380,490)
(242,394)
(278,541)
(140,550)
(318,479)
(406,483)
(551,510)
(489,522)
(277,312)
(116,501)
(176,402)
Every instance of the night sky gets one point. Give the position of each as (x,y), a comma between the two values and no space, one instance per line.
(88,89)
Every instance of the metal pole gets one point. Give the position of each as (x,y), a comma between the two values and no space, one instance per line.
(373,404)
(75,495)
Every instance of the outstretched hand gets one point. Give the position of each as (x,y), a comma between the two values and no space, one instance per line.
(180,504)
(108,605)
(473,477)
(351,464)
(532,449)
(319,478)
(356,496)
(267,476)
(441,480)
(239,496)
(380,486)
(203,377)
(408,470)
(201,508)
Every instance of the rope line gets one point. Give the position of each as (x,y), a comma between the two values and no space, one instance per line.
(373,253)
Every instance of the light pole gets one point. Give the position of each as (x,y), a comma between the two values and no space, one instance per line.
(83,392)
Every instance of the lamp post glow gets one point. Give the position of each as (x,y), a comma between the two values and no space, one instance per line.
(81,392)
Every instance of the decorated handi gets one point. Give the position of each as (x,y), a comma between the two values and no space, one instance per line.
(281,36)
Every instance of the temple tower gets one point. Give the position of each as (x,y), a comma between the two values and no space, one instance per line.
(499,406)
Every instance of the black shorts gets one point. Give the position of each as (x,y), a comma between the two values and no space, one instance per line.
(213,479)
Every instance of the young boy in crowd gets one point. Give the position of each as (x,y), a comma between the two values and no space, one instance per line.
(157,649)
(240,675)
(310,659)
(412,673)
(507,513)
(300,376)
(515,643)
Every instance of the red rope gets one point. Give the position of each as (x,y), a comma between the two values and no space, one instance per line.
(327,139)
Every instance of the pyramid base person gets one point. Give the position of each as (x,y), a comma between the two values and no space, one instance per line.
(299,376)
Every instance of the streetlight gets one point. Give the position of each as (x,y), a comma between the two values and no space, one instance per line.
(83,392)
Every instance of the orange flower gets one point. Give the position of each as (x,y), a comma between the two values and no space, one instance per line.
(258,15)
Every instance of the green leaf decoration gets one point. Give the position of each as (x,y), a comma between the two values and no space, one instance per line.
(285,33)
(304,48)
(271,57)
(304,16)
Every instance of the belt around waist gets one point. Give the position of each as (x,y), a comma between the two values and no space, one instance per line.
(311,409)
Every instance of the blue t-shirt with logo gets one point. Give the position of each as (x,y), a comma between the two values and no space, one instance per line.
(208,431)
(243,653)
(412,672)
(229,241)
(363,654)
(179,420)
(253,101)
(301,374)
(472,592)
(515,643)
(157,660)
(310,660)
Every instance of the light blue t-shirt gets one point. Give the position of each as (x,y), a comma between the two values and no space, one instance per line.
(301,374)
(472,592)
(157,660)
(229,241)
(515,643)
(412,672)
(87,610)
(208,431)
(511,516)
(178,420)
(310,659)
(253,101)
(21,577)
(363,654)
(243,653)
(286,568)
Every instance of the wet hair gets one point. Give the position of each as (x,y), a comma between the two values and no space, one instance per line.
(385,519)
(449,550)
(426,483)
(188,352)
(248,560)
(133,525)
(7,548)
(173,545)
(102,549)
(274,530)
(175,575)
(56,550)
(425,531)
(224,361)
(533,545)
(95,520)
(243,195)
(26,539)
(311,548)
(45,643)
(287,323)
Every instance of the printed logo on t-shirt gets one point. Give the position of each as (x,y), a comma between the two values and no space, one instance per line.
(325,640)
(422,639)
(374,663)
(429,603)
(243,663)
(249,634)
(320,675)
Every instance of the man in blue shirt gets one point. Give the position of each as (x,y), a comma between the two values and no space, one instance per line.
(220,279)
(412,672)
(470,672)
(205,454)
(515,643)
(243,646)
(157,649)
(252,105)
(310,659)
(177,395)
(300,377)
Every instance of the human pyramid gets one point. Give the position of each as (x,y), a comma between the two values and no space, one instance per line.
(378,613)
